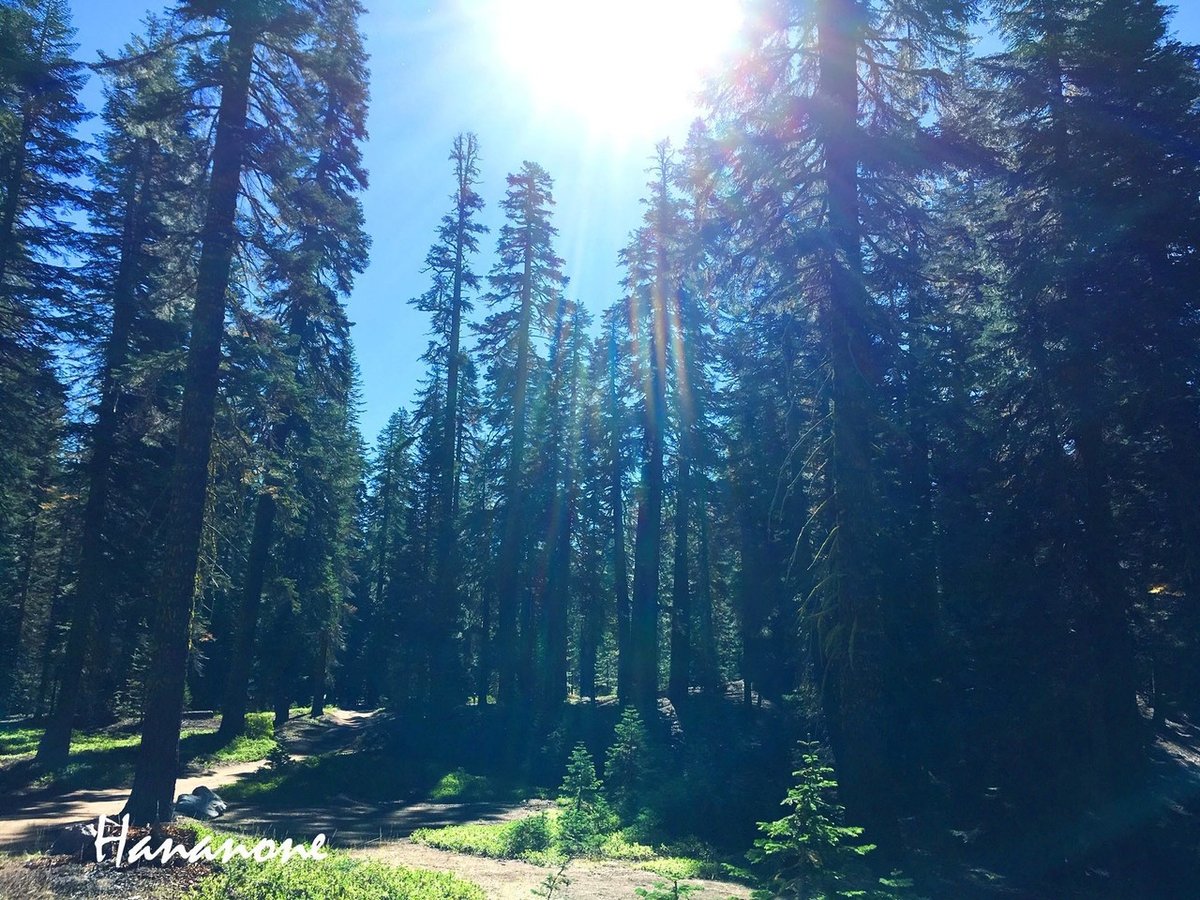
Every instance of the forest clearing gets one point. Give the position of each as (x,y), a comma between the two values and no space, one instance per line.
(745,448)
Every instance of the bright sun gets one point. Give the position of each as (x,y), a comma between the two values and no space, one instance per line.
(627,68)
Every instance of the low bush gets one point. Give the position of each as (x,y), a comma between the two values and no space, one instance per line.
(463,786)
(811,852)
(529,838)
(531,835)
(617,846)
(586,818)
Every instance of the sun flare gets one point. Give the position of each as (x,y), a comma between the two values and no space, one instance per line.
(627,68)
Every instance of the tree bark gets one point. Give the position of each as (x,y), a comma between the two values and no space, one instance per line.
(320,675)
(152,796)
(866,769)
(681,589)
(89,583)
(708,672)
(648,536)
(617,504)
(507,582)
(241,663)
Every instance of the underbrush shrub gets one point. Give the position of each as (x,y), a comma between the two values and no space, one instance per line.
(676,890)
(533,834)
(811,853)
(530,838)
(626,762)
(618,846)
(586,817)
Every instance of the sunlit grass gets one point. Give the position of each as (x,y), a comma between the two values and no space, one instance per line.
(531,839)
(19,742)
(534,839)
(105,758)
(462,786)
(685,867)
(336,876)
(255,743)
(369,775)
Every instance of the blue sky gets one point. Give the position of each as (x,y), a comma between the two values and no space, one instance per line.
(436,70)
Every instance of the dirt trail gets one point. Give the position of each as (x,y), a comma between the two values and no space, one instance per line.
(32,826)
(374,830)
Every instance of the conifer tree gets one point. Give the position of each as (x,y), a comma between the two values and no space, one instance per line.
(448,302)
(141,213)
(41,160)
(310,259)
(827,114)
(1083,91)
(269,53)
(654,271)
(526,287)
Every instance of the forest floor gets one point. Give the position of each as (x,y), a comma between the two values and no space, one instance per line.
(29,818)
(371,830)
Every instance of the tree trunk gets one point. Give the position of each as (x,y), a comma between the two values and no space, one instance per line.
(241,663)
(708,672)
(1117,722)
(13,191)
(508,587)
(320,676)
(447,590)
(152,796)
(648,536)
(90,582)
(617,503)
(866,769)
(14,627)
(681,589)
(560,594)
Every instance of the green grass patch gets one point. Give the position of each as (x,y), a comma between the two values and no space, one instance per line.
(531,839)
(17,740)
(684,867)
(535,839)
(338,876)
(255,743)
(366,775)
(617,846)
(105,758)
(374,775)
(464,787)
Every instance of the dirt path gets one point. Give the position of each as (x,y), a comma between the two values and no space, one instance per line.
(370,830)
(32,826)
(347,822)
(510,879)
